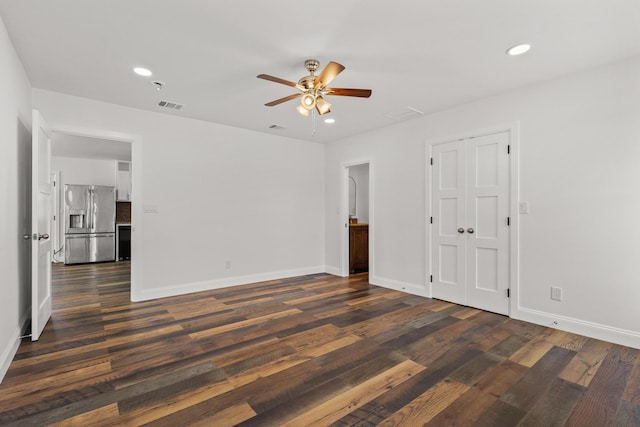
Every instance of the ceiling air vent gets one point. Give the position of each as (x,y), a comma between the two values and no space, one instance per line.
(171,105)
(277,127)
(405,114)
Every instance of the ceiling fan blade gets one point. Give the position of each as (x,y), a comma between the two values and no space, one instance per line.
(329,73)
(277,80)
(285,99)
(336,91)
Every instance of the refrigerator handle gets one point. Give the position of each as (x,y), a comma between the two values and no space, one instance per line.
(90,211)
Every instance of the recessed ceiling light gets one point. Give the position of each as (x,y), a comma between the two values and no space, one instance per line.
(518,49)
(329,120)
(142,71)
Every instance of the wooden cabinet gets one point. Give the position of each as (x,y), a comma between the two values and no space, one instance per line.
(358,248)
(123,181)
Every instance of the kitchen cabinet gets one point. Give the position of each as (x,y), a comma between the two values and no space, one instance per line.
(123,181)
(358,247)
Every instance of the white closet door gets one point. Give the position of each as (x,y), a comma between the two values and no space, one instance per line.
(448,206)
(470,205)
(487,213)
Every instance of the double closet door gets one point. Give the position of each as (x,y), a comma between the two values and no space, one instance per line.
(470,232)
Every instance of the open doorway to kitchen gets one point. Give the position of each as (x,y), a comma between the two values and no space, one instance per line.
(357,180)
(92,219)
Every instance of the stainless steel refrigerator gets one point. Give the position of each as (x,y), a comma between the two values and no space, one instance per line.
(90,214)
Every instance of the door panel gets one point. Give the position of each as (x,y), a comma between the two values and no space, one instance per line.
(42,194)
(488,209)
(102,247)
(448,215)
(103,212)
(470,193)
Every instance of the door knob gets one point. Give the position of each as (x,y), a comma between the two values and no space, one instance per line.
(470,230)
(44,236)
(460,230)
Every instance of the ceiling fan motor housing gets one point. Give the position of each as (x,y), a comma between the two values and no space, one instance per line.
(312,65)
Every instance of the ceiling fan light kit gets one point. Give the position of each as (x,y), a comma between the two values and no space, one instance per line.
(313,88)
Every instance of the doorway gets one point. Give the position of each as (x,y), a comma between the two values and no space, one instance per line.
(80,160)
(357,204)
(470,217)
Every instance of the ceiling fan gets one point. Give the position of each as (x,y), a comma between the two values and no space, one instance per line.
(313,88)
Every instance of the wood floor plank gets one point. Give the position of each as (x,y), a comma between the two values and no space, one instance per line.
(464,411)
(312,349)
(334,409)
(586,362)
(599,403)
(555,406)
(426,406)
(536,382)
(632,390)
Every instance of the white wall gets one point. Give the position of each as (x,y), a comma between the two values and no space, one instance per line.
(15,199)
(221,194)
(85,171)
(579,170)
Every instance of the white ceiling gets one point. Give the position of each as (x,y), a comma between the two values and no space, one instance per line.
(66,145)
(429,55)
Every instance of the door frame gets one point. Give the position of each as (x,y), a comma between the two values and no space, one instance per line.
(136,189)
(514,260)
(344,216)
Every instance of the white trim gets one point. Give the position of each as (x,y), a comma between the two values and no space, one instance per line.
(336,271)
(410,288)
(514,193)
(577,326)
(10,351)
(207,285)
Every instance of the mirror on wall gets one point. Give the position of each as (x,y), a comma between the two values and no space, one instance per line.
(359,192)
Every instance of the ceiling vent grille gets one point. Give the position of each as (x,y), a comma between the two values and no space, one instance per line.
(405,114)
(171,105)
(276,127)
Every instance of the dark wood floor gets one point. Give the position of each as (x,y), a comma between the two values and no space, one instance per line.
(311,350)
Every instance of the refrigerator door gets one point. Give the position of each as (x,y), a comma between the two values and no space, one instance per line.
(81,248)
(102,247)
(76,248)
(76,209)
(103,210)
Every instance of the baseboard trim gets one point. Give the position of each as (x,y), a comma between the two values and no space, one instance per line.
(409,288)
(10,351)
(207,285)
(581,327)
(333,270)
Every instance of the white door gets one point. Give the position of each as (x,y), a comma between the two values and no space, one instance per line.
(470,200)
(41,200)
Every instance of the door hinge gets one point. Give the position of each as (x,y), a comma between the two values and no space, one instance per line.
(508,221)
(508,293)
(431,278)
(431,161)
(508,149)
(431,220)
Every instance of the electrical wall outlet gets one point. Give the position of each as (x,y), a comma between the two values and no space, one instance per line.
(227,265)
(556,293)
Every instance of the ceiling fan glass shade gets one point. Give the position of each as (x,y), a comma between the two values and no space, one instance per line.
(322,106)
(308,101)
(302,110)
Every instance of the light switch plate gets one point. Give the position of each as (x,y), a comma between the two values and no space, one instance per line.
(524,207)
(150,209)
